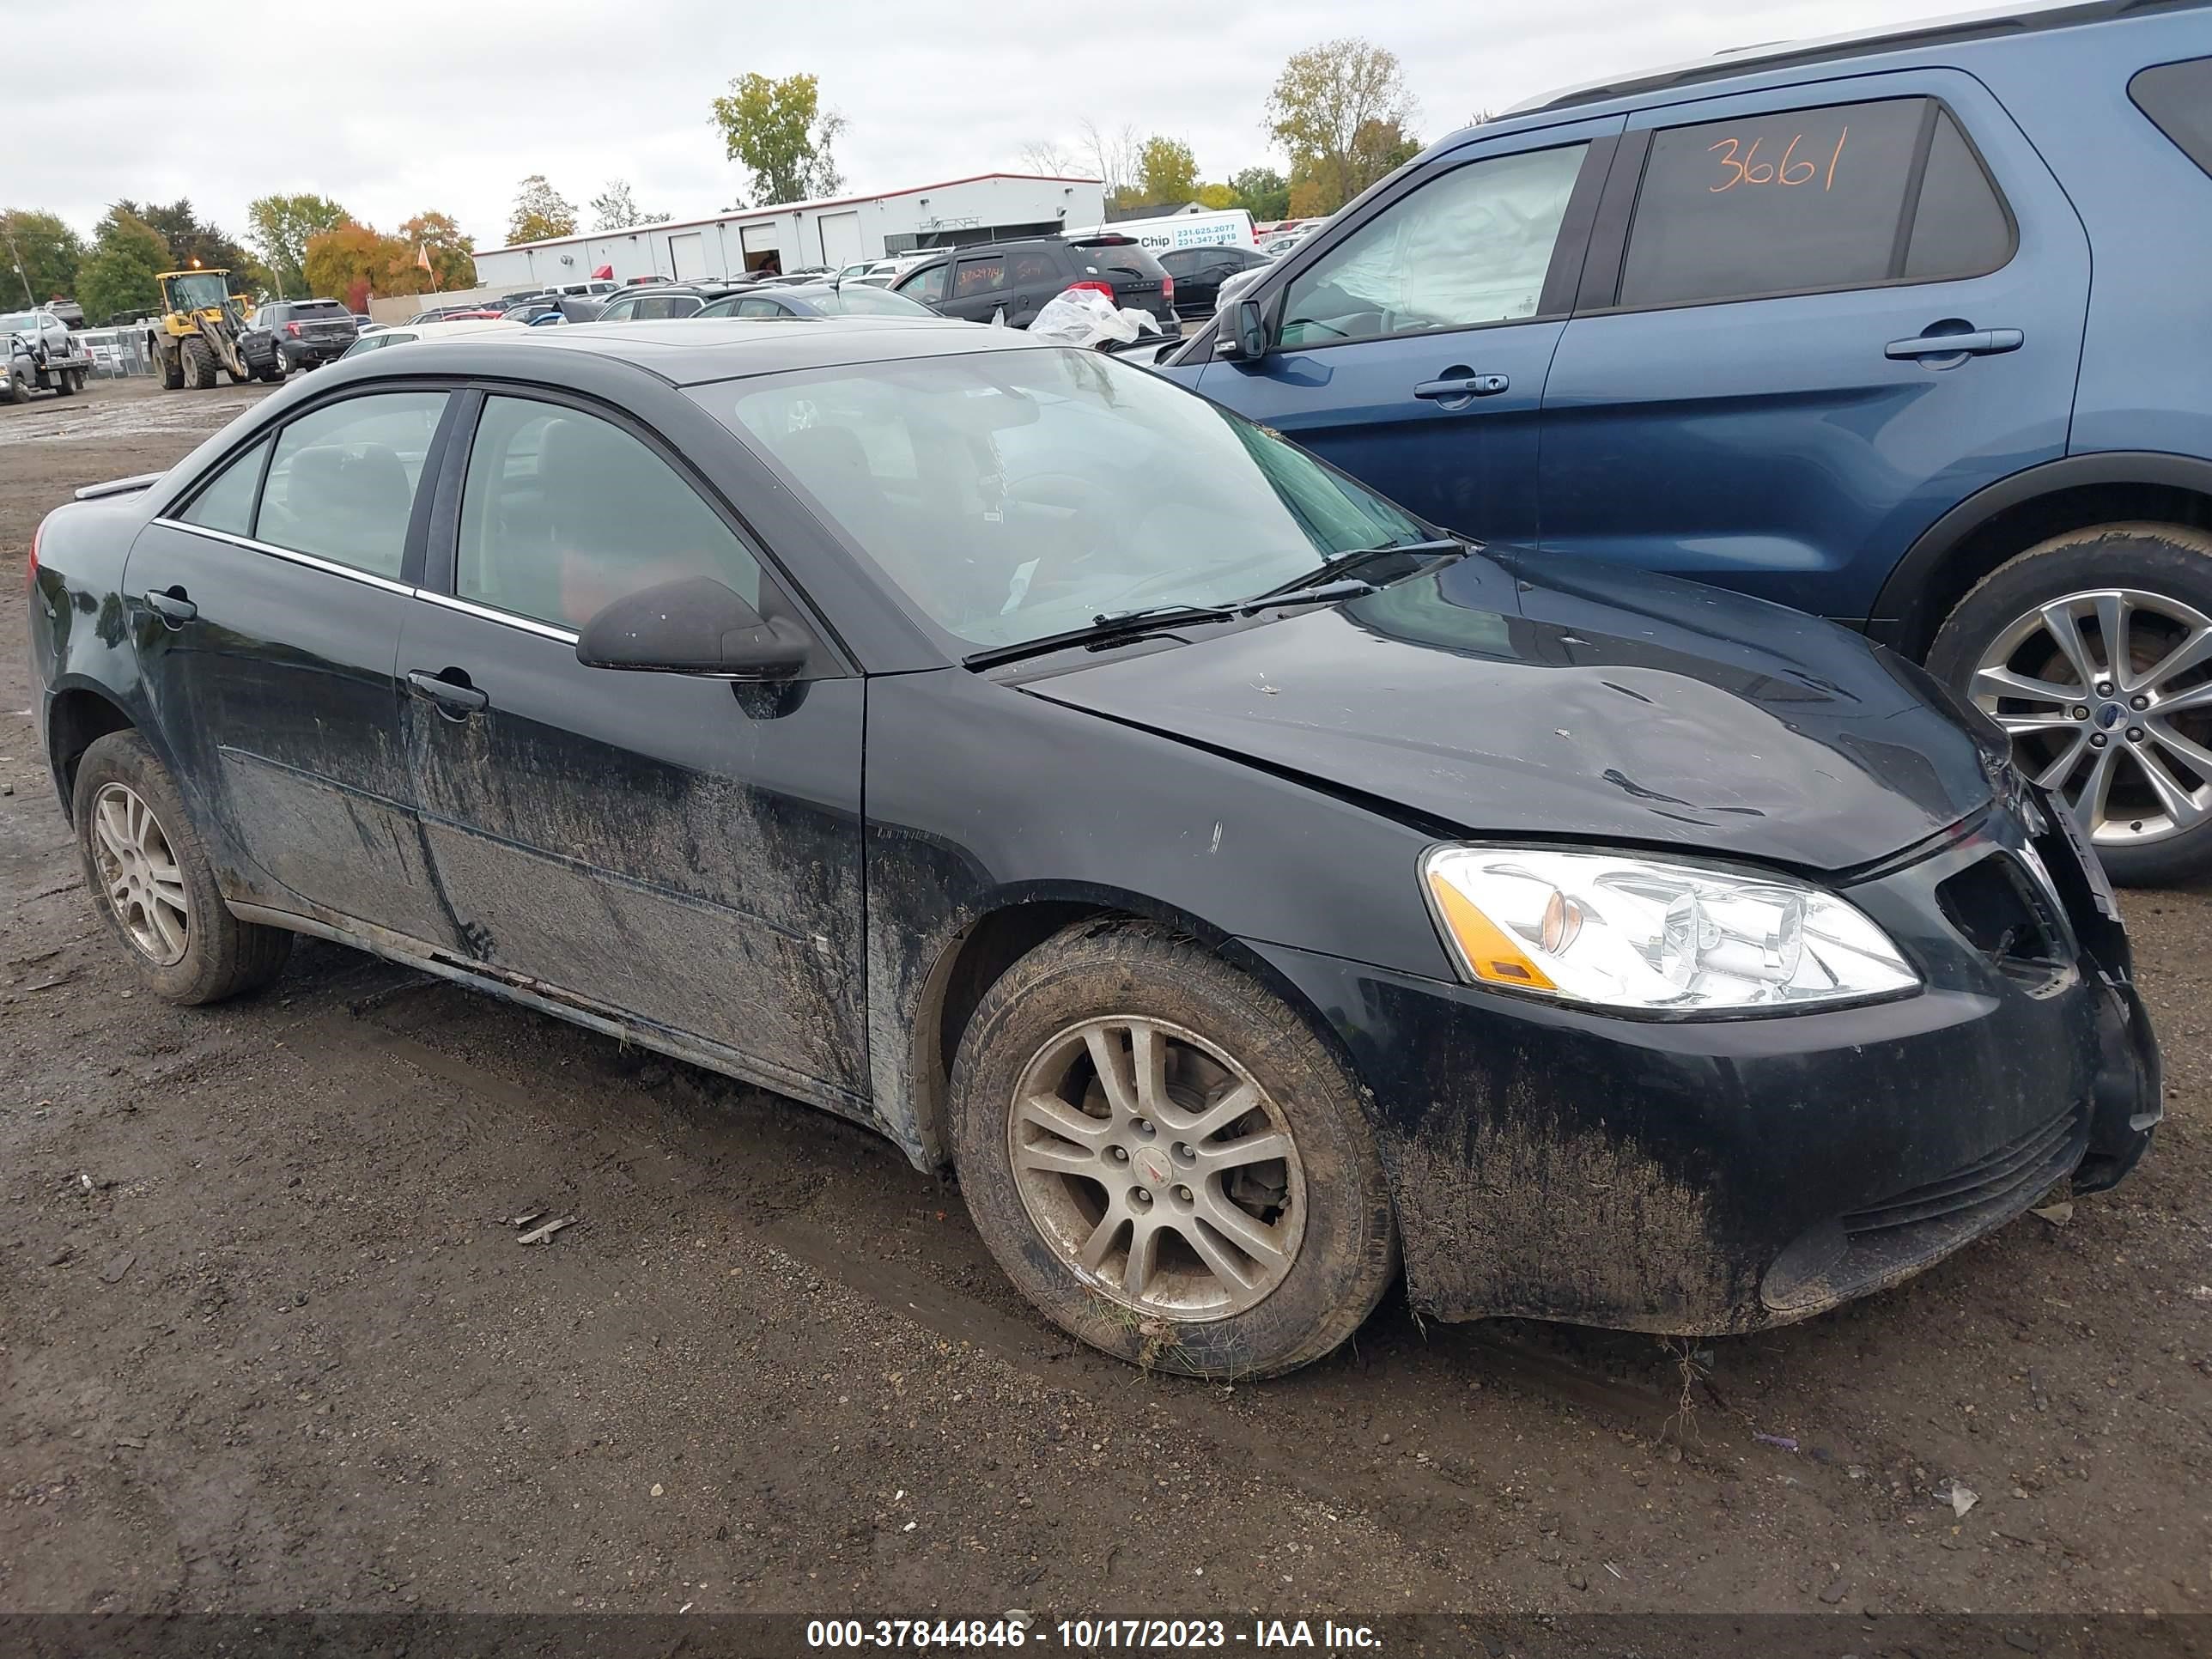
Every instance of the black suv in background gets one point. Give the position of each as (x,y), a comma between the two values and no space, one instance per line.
(976,283)
(309,331)
(1199,273)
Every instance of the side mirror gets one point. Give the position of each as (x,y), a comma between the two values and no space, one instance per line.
(695,626)
(1250,331)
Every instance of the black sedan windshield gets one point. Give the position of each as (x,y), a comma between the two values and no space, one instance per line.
(1013,495)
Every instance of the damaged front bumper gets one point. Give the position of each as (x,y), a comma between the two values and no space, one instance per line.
(1699,1176)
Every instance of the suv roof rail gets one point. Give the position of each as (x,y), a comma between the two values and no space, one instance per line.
(1783,54)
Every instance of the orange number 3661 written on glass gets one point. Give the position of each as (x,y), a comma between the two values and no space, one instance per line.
(1791,169)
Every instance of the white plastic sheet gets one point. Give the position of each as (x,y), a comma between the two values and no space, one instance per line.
(1085,317)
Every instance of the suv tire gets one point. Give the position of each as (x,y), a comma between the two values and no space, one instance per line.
(2126,736)
(1100,1168)
(177,932)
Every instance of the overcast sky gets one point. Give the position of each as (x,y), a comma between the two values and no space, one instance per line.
(415,106)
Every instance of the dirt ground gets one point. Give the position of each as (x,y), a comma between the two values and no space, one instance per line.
(268,1342)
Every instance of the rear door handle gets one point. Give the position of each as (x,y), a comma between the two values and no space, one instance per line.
(1463,386)
(1982,343)
(452,698)
(172,606)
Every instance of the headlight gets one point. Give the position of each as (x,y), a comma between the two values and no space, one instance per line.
(1631,932)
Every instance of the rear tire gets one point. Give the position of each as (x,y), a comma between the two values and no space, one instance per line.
(162,902)
(1144,1178)
(2125,734)
(199,363)
(64,382)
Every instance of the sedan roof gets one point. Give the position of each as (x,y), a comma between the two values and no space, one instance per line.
(696,351)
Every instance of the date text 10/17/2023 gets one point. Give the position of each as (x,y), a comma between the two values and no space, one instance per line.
(1259,1636)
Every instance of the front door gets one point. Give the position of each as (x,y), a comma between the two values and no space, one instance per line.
(268,608)
(1412,350)
(680,850)
(1825,323)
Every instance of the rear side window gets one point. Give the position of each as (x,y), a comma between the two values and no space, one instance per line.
(227,503)
(1034,266)
(342,481)
(2178,98)
(1803,200)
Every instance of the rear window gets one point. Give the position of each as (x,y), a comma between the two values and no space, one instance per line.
(2178,98)
(1806,200)
(321,310)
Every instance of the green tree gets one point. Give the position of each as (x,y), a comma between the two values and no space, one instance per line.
(193,241)
(1216,195)
(48,251)
(117,275)
(279,227)
(540,211)
(778,130)
(1326,97)
(1168,170)
(1262,192)
(616,209)
(451,253)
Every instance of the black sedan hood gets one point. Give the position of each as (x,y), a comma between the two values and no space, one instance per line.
(1528,695)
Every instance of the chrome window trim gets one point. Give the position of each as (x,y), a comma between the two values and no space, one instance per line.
(312,561)
(470,608)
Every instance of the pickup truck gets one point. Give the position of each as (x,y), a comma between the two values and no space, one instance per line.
(42,354)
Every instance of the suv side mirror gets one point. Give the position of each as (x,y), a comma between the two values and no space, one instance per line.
(695,626)
(1248,333)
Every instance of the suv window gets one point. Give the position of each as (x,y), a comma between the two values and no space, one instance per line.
(982,275)
(1034,265)
(1470,247)
(563,513)
(927,284)
(227,503)
(342,481)
(2178,98)
(1805,200)
(319,308)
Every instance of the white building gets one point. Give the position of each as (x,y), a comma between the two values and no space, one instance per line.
(991,206)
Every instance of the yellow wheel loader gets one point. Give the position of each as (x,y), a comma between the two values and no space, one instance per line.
(203,331)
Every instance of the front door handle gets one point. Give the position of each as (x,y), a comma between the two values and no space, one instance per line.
(172,606)
(1458,387)
(454,697)
(1982,343)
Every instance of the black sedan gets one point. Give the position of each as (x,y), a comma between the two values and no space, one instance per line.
(1199,273)
(817,300)
(1243,886)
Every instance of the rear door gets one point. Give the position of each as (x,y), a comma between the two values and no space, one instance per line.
(1756,389)
(1412,344)
(267,609)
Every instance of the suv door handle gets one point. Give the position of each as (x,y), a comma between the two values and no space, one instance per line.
(455,699)
(1463,386)
(172,607)
(1982,343)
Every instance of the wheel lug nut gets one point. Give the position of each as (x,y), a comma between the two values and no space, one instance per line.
(2080,712)
(1183,1193)
(2104,687)
(2135,734)
(2096,740)
(1185,1152)
(1119,1154)
(1141,1197)
(1144,1129)
(2139,703)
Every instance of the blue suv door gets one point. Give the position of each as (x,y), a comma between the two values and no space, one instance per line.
(1812,320)
(1411,349)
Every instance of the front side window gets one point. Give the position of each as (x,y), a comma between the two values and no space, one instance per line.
(979,277)
(1813,199)
(341,480)
(992,488)
(926,285)
(563,513)
(1469,247)
(226,504)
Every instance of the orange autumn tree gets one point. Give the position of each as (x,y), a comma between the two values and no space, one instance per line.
(351,256)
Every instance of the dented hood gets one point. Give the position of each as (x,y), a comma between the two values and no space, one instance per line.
(1527,695)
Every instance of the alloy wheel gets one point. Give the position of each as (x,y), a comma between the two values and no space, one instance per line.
(140,875)
(2108,696)
(1157,1168)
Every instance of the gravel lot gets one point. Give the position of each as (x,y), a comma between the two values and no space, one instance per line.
(268,1342)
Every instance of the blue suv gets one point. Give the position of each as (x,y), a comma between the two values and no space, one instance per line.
(1913,329)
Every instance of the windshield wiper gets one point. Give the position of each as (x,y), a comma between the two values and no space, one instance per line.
(1343,564)
(1109,625)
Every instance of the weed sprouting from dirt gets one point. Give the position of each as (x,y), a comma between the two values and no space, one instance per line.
(1693,1364)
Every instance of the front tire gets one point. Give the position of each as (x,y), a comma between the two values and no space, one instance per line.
(1166,1160)
(153,886)
(199,363)
(2093,650)
(19,389)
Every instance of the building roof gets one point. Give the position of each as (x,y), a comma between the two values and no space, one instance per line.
(762,215)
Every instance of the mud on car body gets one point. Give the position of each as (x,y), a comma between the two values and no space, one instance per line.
(1245,890)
